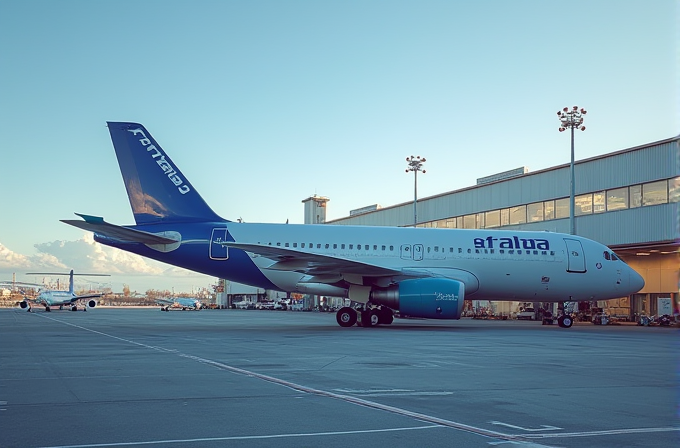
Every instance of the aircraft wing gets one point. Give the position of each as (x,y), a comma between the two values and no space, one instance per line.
(313,264)
(123,234)
(86,296)
(161,301)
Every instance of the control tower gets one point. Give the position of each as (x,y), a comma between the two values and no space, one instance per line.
(315,209)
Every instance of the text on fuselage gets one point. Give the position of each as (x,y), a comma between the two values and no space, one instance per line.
(511,243)
(164,164)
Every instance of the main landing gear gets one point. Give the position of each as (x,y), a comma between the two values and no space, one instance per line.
(368,316)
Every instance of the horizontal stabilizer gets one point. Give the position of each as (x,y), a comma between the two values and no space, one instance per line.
(98,225)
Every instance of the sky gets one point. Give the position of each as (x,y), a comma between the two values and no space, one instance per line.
(262,104)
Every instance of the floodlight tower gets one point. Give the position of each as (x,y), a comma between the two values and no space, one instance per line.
(415,164)
(572,119)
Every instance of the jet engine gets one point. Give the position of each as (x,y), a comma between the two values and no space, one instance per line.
(432,298)
(24,304)
(91,303)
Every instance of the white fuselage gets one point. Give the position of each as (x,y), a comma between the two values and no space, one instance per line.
(493,264)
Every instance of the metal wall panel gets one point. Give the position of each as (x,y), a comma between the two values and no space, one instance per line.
(629,167)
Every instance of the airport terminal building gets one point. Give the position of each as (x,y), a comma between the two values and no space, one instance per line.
(627,200)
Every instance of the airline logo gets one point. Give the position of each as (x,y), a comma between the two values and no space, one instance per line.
(165,166)
(443,296)
(513,242)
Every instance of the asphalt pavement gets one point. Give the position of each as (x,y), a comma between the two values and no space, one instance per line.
(248,378)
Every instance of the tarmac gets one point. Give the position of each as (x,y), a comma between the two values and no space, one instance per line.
(248,378)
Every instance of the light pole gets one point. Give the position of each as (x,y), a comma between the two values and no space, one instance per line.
(572,119)
(415,164)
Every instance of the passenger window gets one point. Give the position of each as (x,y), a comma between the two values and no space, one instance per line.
(278,244)
(294,244)
(327,246)
(391,248)
(302,245)
(335,246)
(287,245)
(351,246)
(342,246)
(384,247)
(318,246)
(375,247)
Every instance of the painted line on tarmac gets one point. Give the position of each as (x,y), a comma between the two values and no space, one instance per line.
(224,439)
(606,432)
(322,393)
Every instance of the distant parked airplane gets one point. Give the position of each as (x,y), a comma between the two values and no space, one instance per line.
(50,298)
(179,303)
(422,272)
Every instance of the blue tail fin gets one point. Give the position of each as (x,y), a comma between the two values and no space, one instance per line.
(157,189)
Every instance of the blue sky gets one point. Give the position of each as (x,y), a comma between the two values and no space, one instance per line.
(264,103)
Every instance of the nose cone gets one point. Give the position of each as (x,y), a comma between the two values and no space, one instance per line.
(636,281)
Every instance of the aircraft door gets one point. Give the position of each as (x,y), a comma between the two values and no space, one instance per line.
(406,252)
(417,252)
(576,257)
(217,250)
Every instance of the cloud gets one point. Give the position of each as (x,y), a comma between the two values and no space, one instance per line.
(87,256)
(13,260)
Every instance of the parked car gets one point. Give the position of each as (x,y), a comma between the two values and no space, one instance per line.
(527,313)
(244,305)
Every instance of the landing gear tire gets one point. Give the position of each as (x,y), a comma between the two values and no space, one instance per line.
(370,318)
(47,308)
(346,316)
(565,321)
(386,316)
(74,308)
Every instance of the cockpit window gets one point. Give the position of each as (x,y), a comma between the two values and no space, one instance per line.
(606,255)
(614,257)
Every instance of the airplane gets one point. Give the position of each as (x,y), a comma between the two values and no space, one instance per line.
(179,303)
(50,298)
(419,272)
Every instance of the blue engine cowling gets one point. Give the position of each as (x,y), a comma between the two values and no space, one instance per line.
(432,298)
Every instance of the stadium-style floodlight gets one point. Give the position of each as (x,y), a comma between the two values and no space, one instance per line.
(572,119)
(415,164)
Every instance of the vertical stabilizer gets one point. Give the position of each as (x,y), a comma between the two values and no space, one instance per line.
(157,189)
(71,289)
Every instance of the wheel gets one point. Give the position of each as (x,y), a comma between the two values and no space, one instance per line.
(346,317)
(386,316)
(369,318)
(74,308)
(565,321)
(373,318)
(47,308)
